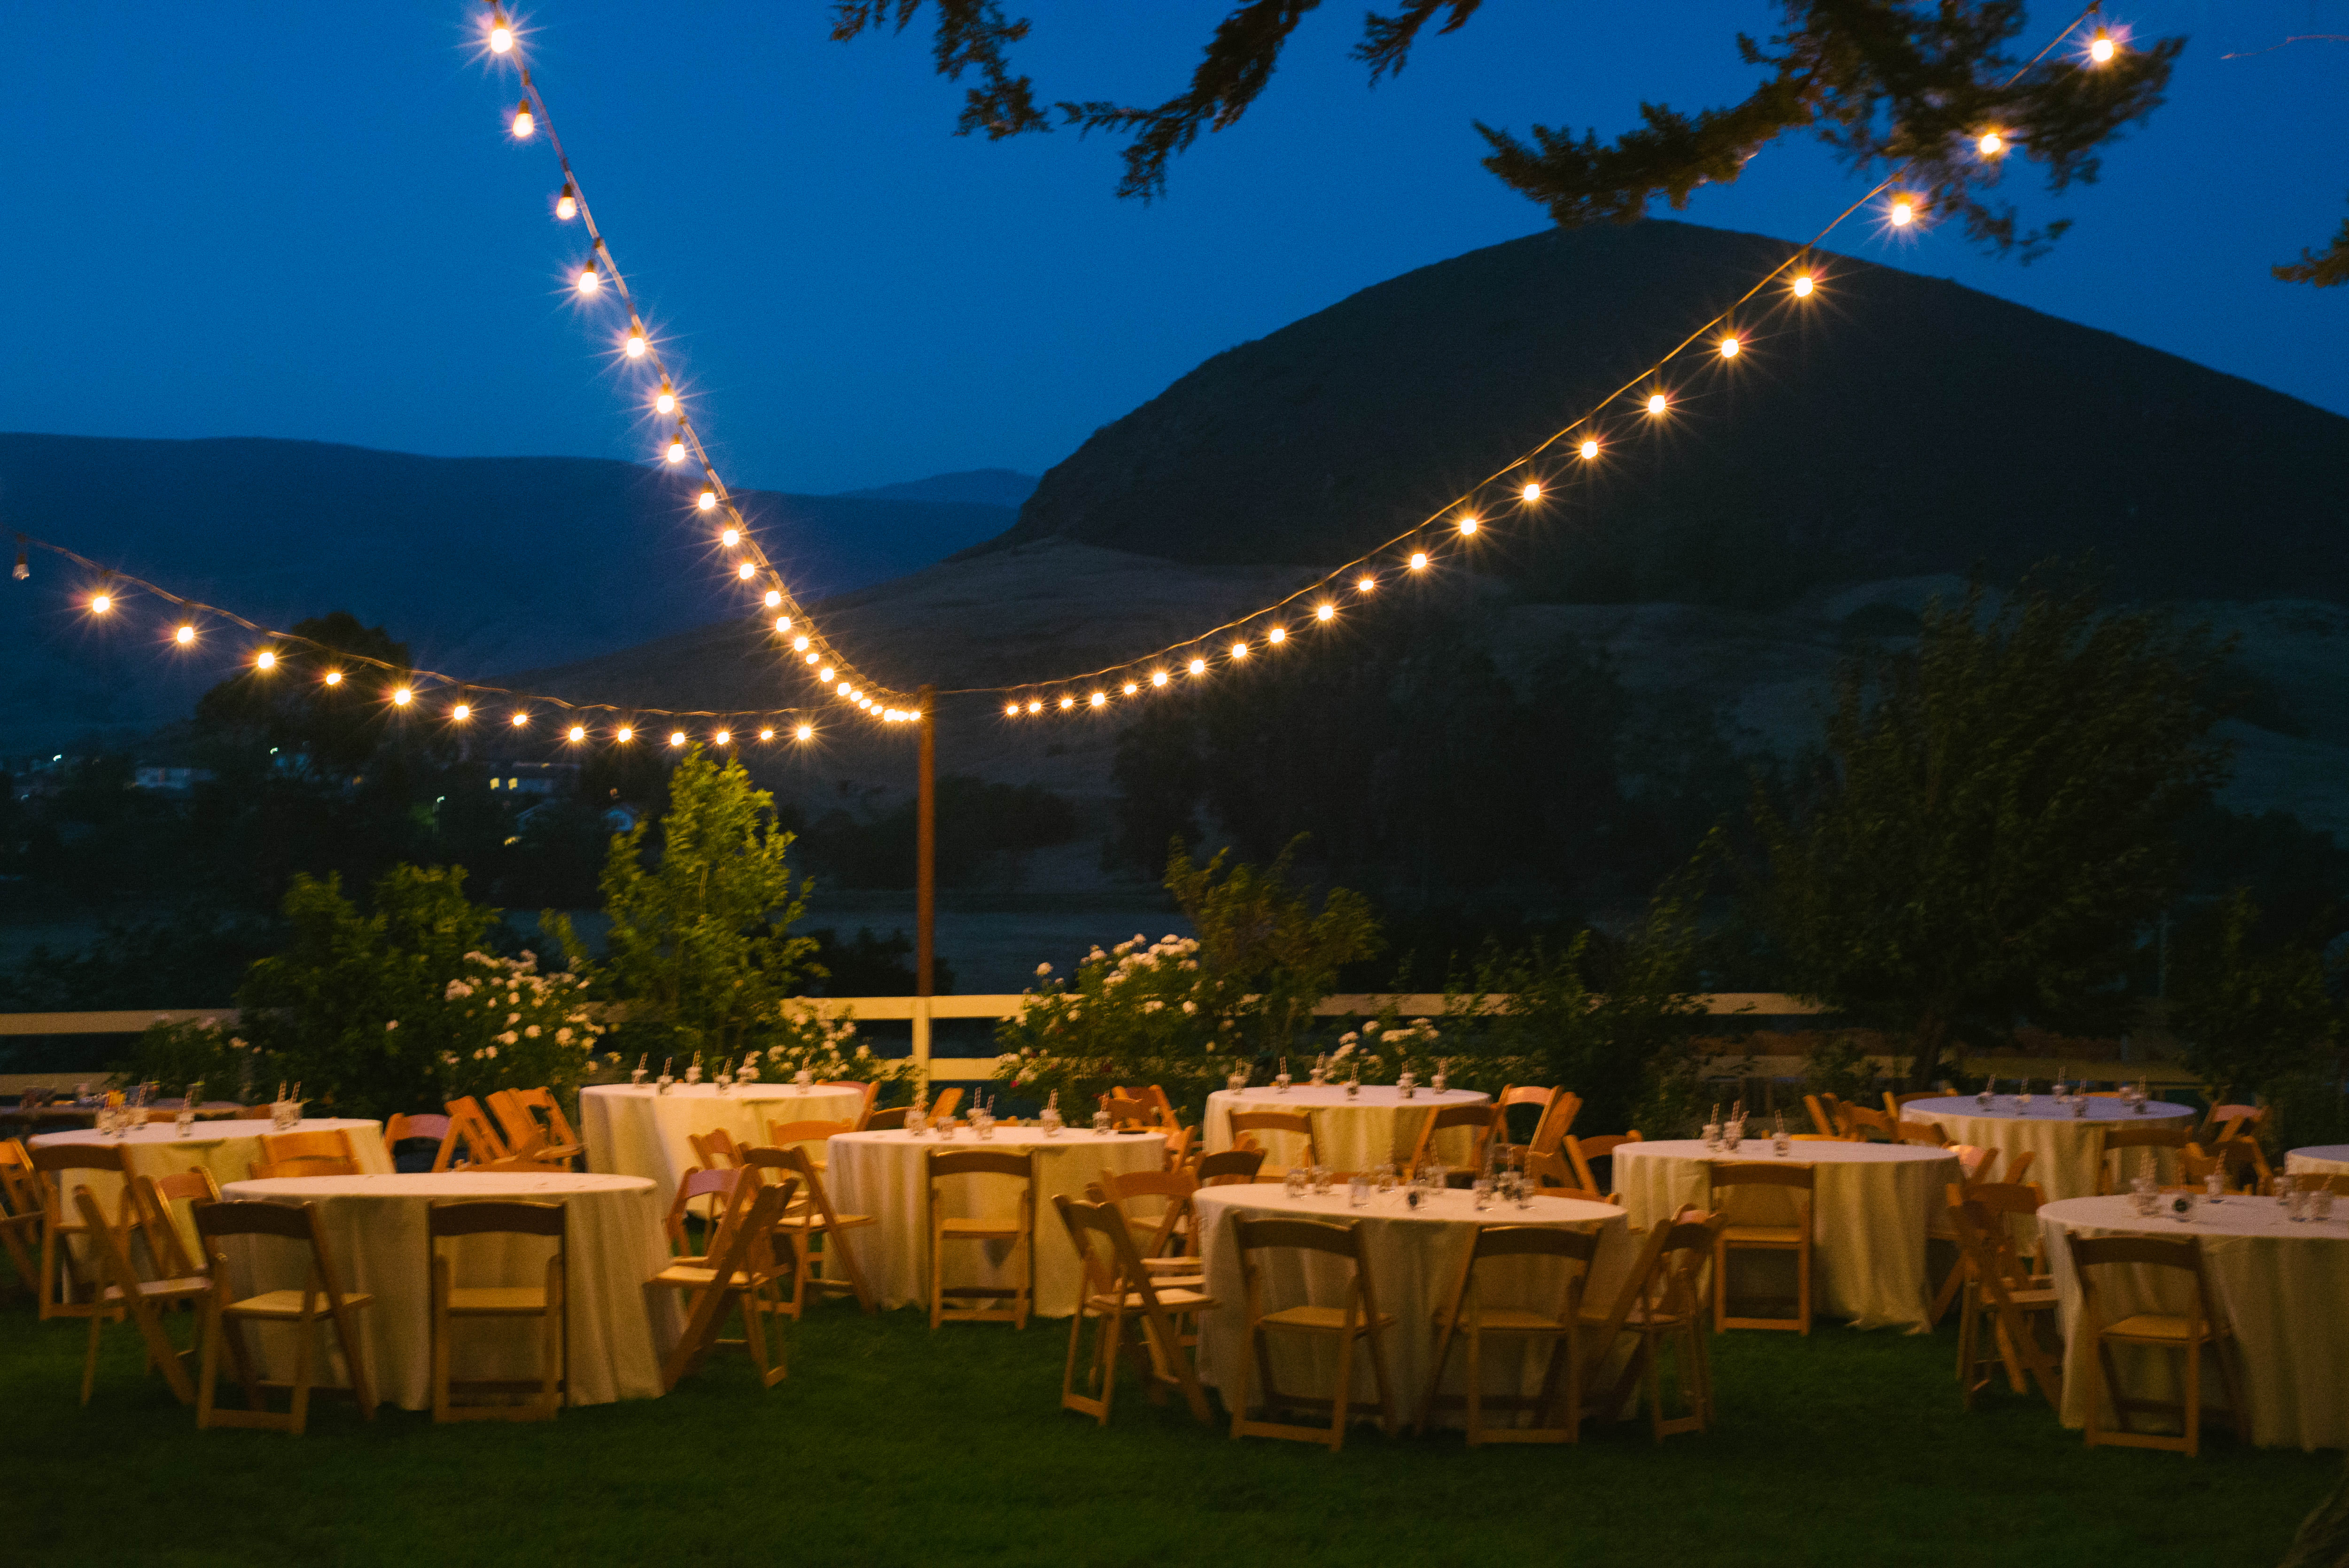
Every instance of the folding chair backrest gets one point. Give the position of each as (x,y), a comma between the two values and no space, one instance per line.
(545,1112)
(500,1216)
(789,1165)
(1928,1134)
(1758,1173)
(150,1201)
(2229,1122)
(1548,1171)
(716,1148)
(1583,1151)
(944,1105)
(1821,1121)
(2244,1163)
(1481,1119)
(720,1185)
(398,1127)
(1124,1113)
(2184,1255)
(329,1143)
(265,1217)
(1861,1124)
(470,1128)
(792,1134)
(862,1118)
(1230,1167)
(1247,1124)
(301,1165)
(520,1130)
(51,1163)
(890,1121)
(980,1162)
(1549,1135)
(1124,1190)
(2112,1140)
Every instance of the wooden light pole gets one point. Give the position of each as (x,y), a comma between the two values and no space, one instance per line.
(926,871)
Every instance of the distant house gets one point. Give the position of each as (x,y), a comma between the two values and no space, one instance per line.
(534,778)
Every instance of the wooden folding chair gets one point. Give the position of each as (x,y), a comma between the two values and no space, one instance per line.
(947,1302)
(890,1121)
(2241,1164)
(804,1134)
(2002,1296)
(21,1214)
(741,1268)
(1894,1103)
(1129,1113)
(2199,1328)
(834,1269)
(1359,1320)
(62,1281)
(301,1309)
(1662,1304)
(1466,1315)
(1181,1148)
(1158,1109)
(2225,1121)
(1510,1098)
(1551,1173)
(1248,1124)
(1583,1151)
(1821,1121)
(1479,1118)
(1120,1292)
(943,1106)
(151,1198)
(715,1150)
(863,1120)
(1924,1134)
(719,1185)
(1230,1168)
(469,1129)
(1862,1125)
(534,1125)
(324,1154)
(2112,1140)
(1162,1238)
(120,1290)
(399,1128)
(548,1302)
(1797,1179)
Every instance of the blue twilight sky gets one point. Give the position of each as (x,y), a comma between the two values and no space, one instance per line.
(249,219)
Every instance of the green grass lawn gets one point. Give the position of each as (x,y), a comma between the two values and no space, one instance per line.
(889,1444)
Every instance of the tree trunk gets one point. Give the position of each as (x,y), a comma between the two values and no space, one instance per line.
(1927,1041)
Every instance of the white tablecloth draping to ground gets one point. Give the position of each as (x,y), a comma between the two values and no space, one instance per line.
(2280,1285)
(886,1174)
(1414,1257)
(374,1230)
(1349,1134)
(632,1130)
(2322,1159)
(1870,1204)
(226,1149)
(2066,1144)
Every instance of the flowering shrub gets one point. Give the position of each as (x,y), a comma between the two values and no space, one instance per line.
(1141,1012)
(198,1050)
(503,1025)
(828,1048)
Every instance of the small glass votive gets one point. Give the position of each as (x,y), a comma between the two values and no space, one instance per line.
(2320,1197)
(1358,1191)
(2295,1204)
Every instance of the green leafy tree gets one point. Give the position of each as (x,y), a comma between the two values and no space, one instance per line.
(700,929)
(1888,84)
(1269,954)
(1995,815)
(2251,1020)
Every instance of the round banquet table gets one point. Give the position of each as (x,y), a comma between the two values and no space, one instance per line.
(1357,1134)
(2068,1145)
(1870,1204)
(2280,1285)
(631,1130)
(2322,1159)
(1414,1257)
(226,1149)
(885,1175)
(374,1227)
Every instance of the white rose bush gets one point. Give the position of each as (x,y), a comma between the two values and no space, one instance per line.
(503,1025)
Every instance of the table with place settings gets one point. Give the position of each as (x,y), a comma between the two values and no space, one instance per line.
(2067,1144)
(632,1129)
(885,1175)
(2322,1159)
(1359,1132)
(229,1149)
(1870,1205)
(1414,1257)
(2280,1283)
(375,1231)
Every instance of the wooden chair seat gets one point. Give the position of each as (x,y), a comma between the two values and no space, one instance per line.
(1136,1317)
(1173,1297)
(742,1270)
(2155,1328)
(1359,1320)
(1327,1319)
(834,1269)
(320,1306)
(1505,1320)
(453,1303)
(285,1303)
(497,1300)
(808,1220)
(1764,1235)
(992,1228)
(121,1291)
(161,1290)
(697,1276)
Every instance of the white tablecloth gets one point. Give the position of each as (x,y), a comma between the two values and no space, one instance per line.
(632,1130)
(885,1175)
(227,1149)
(2066,1144)
(2282,1286)
(2326,1158)
(374,1227)
(1870,1204)
(1414,1257)
(1349,1134)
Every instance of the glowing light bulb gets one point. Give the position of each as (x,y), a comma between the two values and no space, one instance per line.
(665,400)
(635,343)
(811,658)
(1158,677)
(1364,584)
(730,538)
(623,733)
(1130,689)
(1589,449)
(590,280)
(501,35)
(844,689)
(783,623)
(799,644)
(1531,492)
(677,737)
(577,732)
(1325,612)
(724,737)
(1419,560)
(265,660)
(522,124)
(1198,667)
(1657,403)
(520,721)
(1239,650)
(567,206)
(1011,710)
(746,571)
(805,731)
(1098,700)
(774,598)
(766,735)
(1804,285)
(1468,524)
(461,713)
(707,501)
(676,449)
(824,675)
(99,603)
(401,696)
(334,677)
(1277,634)
(1992,144)
(184,635)
(2102,49)
(1035,705)
(1904,212)
(1729,348)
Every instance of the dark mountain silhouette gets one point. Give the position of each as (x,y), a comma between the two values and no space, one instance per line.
(987,486)
(480,563)
(1893,426)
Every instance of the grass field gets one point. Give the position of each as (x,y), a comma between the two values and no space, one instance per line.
(892,1445)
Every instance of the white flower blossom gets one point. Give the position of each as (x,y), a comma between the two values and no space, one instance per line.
(562,1037)
(508,1038)
(1190,1007)
(1042,969)
(530,1032)
(391,1025)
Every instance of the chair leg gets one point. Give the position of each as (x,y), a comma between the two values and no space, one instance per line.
(1475,1392)
(439,1356)
(307,1333)
(90,1356)
(937,1276)
(1720,1283)
(550,1349)
(1240,1404)
(1435,1374)
(1341,1405)
(2191,1417)
(1803,1282)
(355,1359)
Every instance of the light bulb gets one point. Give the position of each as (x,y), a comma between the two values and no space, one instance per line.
(567,206)
(724,737)
(99,603)
(522,124)
(1589,449)
(707,501)
(677,737)
(665,400)
(1531,492)
(1468,524)
(746,571)
(501,36)
(401,696)
(461,713)
(1364,584)
(1239,650)
(1419,560)
(1277,634)
(184,635)
(1729,348)
(730,538)
(334,677)
(577,732)
(1657,403)
(805,731)
(635,343)
(799,644)
(824,675)
(265,660)
(1068,702)
(1904,212)
(1325,612)
(844,689)
(1804,285)
(811,658)
(1992,144)
(1198,667)
(590,280)
(766,735)
(520,721)
(1034,706)
(2102,49)
(1098,700)
(1011,710)
(1129,688)
(782,623)
(1158,677)
(623,733)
